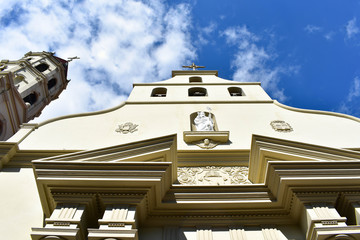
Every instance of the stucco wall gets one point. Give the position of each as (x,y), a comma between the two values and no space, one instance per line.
(20,206)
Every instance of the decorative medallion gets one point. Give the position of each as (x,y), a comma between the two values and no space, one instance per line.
(206,144)
(126,128)
(212,175)
(281,126)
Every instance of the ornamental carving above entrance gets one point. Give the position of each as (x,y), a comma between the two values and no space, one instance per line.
(213,175)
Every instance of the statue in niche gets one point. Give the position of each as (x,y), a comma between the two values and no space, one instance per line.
(203,122)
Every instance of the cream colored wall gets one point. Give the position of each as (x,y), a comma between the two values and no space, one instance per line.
(214,93)
(242,120)
(20,206)
(242,116)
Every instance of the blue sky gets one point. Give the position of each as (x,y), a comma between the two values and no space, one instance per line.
(305,53)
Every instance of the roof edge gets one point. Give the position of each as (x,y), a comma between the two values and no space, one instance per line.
(197,72)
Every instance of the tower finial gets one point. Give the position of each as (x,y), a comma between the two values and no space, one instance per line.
(193,66)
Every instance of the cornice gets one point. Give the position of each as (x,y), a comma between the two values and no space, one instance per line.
(195,84)
(198,101)
(151,185)
(316,112)
(266,149)
(7,151)
(81,114)
(195,73)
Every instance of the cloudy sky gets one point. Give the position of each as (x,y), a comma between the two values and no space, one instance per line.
(306,53)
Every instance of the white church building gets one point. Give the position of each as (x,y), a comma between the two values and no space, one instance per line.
(193,157)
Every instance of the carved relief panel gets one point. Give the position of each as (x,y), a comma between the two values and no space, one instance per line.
(213,175)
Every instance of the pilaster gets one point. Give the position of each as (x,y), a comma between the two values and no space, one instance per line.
(118,222)
(67,220)
(204,233)
(270,234)
(237,233)
(321,219)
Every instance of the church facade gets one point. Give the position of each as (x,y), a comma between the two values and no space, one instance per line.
(192,157)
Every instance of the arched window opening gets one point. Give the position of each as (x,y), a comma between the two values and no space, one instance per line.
(195,79)
(51,83)
(31,98)
(42,67)
(159,92)
(235,91)
(197,92)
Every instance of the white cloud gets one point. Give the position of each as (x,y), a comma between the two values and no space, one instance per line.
(352,102)
(210,28)
(329,36)
(351,28)
(251,62)
(204,34)
(119,42)
(354,89)
(312,28)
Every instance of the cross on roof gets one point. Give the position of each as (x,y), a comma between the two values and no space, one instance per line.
(193,66)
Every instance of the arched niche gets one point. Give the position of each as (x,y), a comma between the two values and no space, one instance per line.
(195,79)
(235,91)
(159,92)
(197,92)
(205,139)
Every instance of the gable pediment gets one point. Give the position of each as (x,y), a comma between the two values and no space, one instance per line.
(162,149)
(266,149)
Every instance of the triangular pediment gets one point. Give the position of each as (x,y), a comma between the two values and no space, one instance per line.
(265,149)
(162,149)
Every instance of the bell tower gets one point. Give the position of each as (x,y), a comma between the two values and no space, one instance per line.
(27,85)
